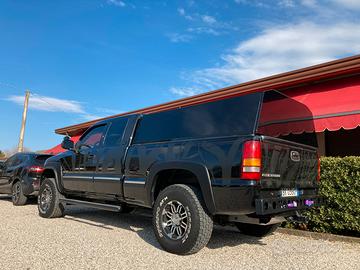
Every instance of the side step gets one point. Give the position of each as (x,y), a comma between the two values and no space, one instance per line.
(101,206)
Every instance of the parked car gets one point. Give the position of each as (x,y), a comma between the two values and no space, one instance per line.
(20,176)
(193,166)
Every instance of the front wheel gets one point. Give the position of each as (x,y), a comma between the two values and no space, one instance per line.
(48,200)
(255,229)
(18,197)
(181,222)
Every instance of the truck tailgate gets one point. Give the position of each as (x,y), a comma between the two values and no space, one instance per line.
(288,165)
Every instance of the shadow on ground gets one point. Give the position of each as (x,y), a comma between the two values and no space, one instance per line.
(140,222)
(31,200)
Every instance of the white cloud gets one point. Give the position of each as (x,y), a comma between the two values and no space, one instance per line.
(184,91)
(309,3)
(201,24)
(89,117)
(286,3)
(108,111)
(181,11)
(208,19)
(278,49)
(257,3)
(351,4)
(176,37)
(117,3)
(50,104)
(203,30)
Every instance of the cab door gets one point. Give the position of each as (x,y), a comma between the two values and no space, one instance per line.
(5,175)
(109,173)
(79,177)
(10,171)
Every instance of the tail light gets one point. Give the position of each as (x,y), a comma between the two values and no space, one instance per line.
(318,169)
(251,161)
(35,169)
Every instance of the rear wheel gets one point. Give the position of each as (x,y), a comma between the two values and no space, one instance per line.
(18,197)
(181,222)
(48,200)
(255,229)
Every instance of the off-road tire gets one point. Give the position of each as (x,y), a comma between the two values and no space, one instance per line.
(18,198)
(54,208)
(200,224)
(255,229)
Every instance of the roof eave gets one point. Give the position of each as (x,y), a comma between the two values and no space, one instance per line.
(332,69)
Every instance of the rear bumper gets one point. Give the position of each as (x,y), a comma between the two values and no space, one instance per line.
(267,206)
(30,185)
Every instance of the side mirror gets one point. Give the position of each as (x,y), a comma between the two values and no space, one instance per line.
(67,143)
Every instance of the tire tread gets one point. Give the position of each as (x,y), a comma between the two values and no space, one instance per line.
(206,222)
(58,210)
(22,198)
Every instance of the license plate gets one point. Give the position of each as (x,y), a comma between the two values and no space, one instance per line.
(289,193)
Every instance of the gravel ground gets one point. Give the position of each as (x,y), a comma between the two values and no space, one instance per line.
(92,239)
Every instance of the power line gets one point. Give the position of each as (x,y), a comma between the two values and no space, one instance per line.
(39,97)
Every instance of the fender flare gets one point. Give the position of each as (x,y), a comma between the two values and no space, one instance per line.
(57,172)
(199,170)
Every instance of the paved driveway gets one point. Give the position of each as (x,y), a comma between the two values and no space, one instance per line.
(92,239)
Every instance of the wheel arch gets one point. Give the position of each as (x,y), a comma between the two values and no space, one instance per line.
(15,180)
(164,174)
(52,172)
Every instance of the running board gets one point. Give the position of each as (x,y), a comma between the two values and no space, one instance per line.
(101,206)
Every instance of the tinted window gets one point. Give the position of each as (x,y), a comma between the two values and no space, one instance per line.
(94,136)
(116,131)
(233,116)
(19,158)
(10,161)
(42,157)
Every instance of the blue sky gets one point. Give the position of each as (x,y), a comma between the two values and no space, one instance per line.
(87,59)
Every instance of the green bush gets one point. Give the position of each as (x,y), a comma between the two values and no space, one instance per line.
(340,185)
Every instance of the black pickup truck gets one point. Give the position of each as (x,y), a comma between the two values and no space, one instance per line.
(193,166)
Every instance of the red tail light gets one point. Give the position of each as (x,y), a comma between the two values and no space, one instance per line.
(35,169)
(318,169)
(251,161)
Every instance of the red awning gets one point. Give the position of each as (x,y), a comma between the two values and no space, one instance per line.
(58,149)
(332,106)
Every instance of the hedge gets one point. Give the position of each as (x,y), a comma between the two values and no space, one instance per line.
(340,185)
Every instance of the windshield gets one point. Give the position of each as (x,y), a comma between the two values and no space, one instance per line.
(284,117)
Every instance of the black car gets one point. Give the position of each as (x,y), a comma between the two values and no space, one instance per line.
(196,165)
(19,176)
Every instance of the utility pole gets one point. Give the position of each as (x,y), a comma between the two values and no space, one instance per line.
(23,122)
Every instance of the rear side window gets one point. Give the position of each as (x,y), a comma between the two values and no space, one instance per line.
(115,133)
(20,158)
(227,117)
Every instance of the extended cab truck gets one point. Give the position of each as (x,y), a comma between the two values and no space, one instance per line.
(193,166)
